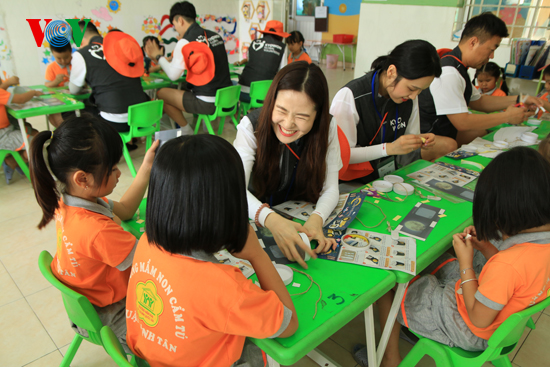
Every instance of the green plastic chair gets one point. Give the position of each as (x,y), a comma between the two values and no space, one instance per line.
(18,159)
(114,349)
(78,307)
(144,120)
(501,343)
(258,92)
(227,100)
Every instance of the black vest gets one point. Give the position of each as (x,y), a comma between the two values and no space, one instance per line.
(221,78)
(264,58)
(369,121)
(289,164)
(111,91)
(430,122)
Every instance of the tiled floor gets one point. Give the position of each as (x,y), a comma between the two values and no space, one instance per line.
(34,327)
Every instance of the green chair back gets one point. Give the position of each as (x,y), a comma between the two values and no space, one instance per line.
(144,120)
(258,92)
(78,307)
(501,343)
(114,349)
(227,100)
(18,159)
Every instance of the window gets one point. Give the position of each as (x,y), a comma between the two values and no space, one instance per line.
(307,7)
(524,18)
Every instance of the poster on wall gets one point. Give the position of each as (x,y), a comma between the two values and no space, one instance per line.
(7,66)
(247,9)
(262,11)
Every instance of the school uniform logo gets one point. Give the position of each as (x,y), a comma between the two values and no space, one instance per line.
(258,45)
(149,305)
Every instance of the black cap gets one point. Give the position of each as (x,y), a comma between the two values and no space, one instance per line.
(185,9)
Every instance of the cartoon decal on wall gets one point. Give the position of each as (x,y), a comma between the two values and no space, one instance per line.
(262,10)
(230,38)
(151,26)
(7,66)
(254,31)
(114,6)
(244,50)
(248,10)
(102,13)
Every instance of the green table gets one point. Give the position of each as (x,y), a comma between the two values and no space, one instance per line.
(347,290)
(63,90)
(162,75)
(70,104)
(458,216)
(235,71)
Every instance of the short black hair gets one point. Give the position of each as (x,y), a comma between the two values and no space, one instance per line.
(197,197)
(546,71)
(183,9)
(295,37)
(152,38)
(484,26)
(64,48)
(91,29)
(511,194)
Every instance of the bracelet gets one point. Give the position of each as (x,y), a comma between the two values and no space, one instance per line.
(466,281)
(266,205)
(517,99)
(464,270)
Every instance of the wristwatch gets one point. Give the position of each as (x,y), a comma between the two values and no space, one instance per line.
(158,57)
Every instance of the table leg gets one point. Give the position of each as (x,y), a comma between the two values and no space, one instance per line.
(271,362)
(25,139)
(397,299)
(352,62)
(47,123)
(77,113)
(322,359)
(371,342)
(343,51)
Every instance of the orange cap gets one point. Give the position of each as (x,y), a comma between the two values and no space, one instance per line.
(275,27)
(123,53)
(199,61)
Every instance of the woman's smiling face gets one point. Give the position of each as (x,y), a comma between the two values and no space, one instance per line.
(293,115)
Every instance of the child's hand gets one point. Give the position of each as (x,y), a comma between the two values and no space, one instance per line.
(252,248)
(14,80)
(60,78)
(150,155)
(152,50)
(428,140)
(463,249)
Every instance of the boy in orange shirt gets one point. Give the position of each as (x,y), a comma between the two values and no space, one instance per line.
(512,233)
(57,74)
(10,138)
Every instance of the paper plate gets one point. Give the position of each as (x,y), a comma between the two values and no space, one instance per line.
(530,138)
(403,189)
(469,148)
(533,121)
(382,186)
(285,272)
(393,178)
(500,144)
(305,255)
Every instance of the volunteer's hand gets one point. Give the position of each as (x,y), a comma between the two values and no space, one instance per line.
(314,226)
(285,233)
(430,140)
(516,115)
(405,144)
(533,102)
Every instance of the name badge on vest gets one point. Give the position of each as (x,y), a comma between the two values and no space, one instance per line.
(386,166)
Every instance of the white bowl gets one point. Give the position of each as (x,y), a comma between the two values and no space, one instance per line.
(530,138)
(382,186)
(403,189)
(533,121)
(469,148)
(393,178)
(285,272)
(500,144)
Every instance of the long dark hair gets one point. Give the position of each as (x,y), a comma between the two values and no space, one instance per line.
(310,175)
(413,59)
(197,197)
(79,143)
(511,194)
(496,72)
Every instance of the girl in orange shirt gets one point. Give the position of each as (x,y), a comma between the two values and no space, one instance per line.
(94,253)
(296,47)
(487,78)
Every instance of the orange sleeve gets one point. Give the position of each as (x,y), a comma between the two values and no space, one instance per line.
(497,283)
(247,317)
(50,72)
(499,93)
(112,244)
(4,97)
(305,57)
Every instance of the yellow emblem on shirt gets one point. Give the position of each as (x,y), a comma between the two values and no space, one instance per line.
(149,305)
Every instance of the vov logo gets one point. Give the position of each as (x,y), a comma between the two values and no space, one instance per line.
(58,32)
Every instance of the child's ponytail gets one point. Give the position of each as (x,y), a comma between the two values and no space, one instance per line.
(45,188)
(503,85)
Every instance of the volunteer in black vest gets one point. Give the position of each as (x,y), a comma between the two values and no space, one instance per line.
(112,67)
(201,90)
(266,56)
(290,151)
(378,114)
(444,106)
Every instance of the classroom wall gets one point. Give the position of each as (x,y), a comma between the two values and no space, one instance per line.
(382,27)
(28,59)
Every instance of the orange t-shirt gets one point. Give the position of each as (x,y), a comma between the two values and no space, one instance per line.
(4,99)
(302,57)
(497,92)
(511,281)
(181,311)
(53,69)
(90,246)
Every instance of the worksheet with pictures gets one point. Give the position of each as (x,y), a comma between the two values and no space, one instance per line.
(302,209)
(445,172)
(375,250)
(224,257)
